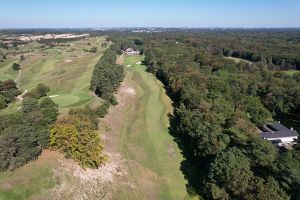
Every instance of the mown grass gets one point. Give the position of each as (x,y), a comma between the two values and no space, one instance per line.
(67,70)
(145,138)
(290,72)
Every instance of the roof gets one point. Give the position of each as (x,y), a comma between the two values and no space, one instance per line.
(130,49)
(277,130)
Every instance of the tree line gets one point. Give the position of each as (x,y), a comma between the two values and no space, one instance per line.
(107,75)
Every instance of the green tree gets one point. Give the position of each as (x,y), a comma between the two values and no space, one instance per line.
(16,66)
(93,50)
(231,169)
(49,109)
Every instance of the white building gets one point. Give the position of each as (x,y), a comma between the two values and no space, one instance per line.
(279,134)
(131,51)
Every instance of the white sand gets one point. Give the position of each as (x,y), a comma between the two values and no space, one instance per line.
(53,96)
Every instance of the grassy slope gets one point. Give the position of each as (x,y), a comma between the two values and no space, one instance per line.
(31,179)
(66,70)
(146,143)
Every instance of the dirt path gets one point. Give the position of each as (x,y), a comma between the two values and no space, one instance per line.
(17,80)
(138,131)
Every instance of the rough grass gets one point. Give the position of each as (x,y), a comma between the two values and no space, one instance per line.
(153,158)
(67,70)
(29,180)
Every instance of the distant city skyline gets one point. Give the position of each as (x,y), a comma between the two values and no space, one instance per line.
(163,13)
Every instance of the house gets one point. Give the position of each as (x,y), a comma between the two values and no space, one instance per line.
(278,134)
(131,51)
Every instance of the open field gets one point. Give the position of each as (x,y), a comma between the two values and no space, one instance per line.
(237,60)
(66,69)
(140,132)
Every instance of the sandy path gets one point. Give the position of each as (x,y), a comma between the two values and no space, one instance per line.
(18,78)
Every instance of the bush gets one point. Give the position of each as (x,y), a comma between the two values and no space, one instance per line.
(74,135)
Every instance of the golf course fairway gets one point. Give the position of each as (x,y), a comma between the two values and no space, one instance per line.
(140,128)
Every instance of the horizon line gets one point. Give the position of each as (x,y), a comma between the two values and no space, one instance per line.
(154,27)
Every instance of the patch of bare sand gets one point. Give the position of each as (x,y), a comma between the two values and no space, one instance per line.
(74,182)
(120,60)
(68,61)
(171,152)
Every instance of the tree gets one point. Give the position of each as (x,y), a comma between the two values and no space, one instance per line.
(22,57)
(231,170)
(29,105)
(3,102)
(93,50)
(39,91)
(264,153)
(268,189)
(16,66)
(49,109)
(74,135)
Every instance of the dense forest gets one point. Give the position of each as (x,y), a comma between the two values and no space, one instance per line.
(218,106)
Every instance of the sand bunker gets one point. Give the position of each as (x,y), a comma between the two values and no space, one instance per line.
(68,61)
(128,90)
(53,96)
(128,65)
(138,63)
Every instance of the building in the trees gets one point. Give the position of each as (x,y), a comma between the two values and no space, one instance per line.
(278,134)
(131,51)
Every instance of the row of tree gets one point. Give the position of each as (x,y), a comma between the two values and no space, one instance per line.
(107,75)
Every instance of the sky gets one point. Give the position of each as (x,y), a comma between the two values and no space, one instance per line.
(149,13)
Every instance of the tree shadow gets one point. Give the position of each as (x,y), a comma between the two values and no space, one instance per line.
(194,170)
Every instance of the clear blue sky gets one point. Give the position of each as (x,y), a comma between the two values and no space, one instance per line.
(133,13)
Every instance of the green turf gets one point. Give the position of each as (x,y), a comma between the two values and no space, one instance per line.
(145,138)
(291,72)
(67,70)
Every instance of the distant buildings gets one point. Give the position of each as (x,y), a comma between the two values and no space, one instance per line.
(131,51)
(278,134)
